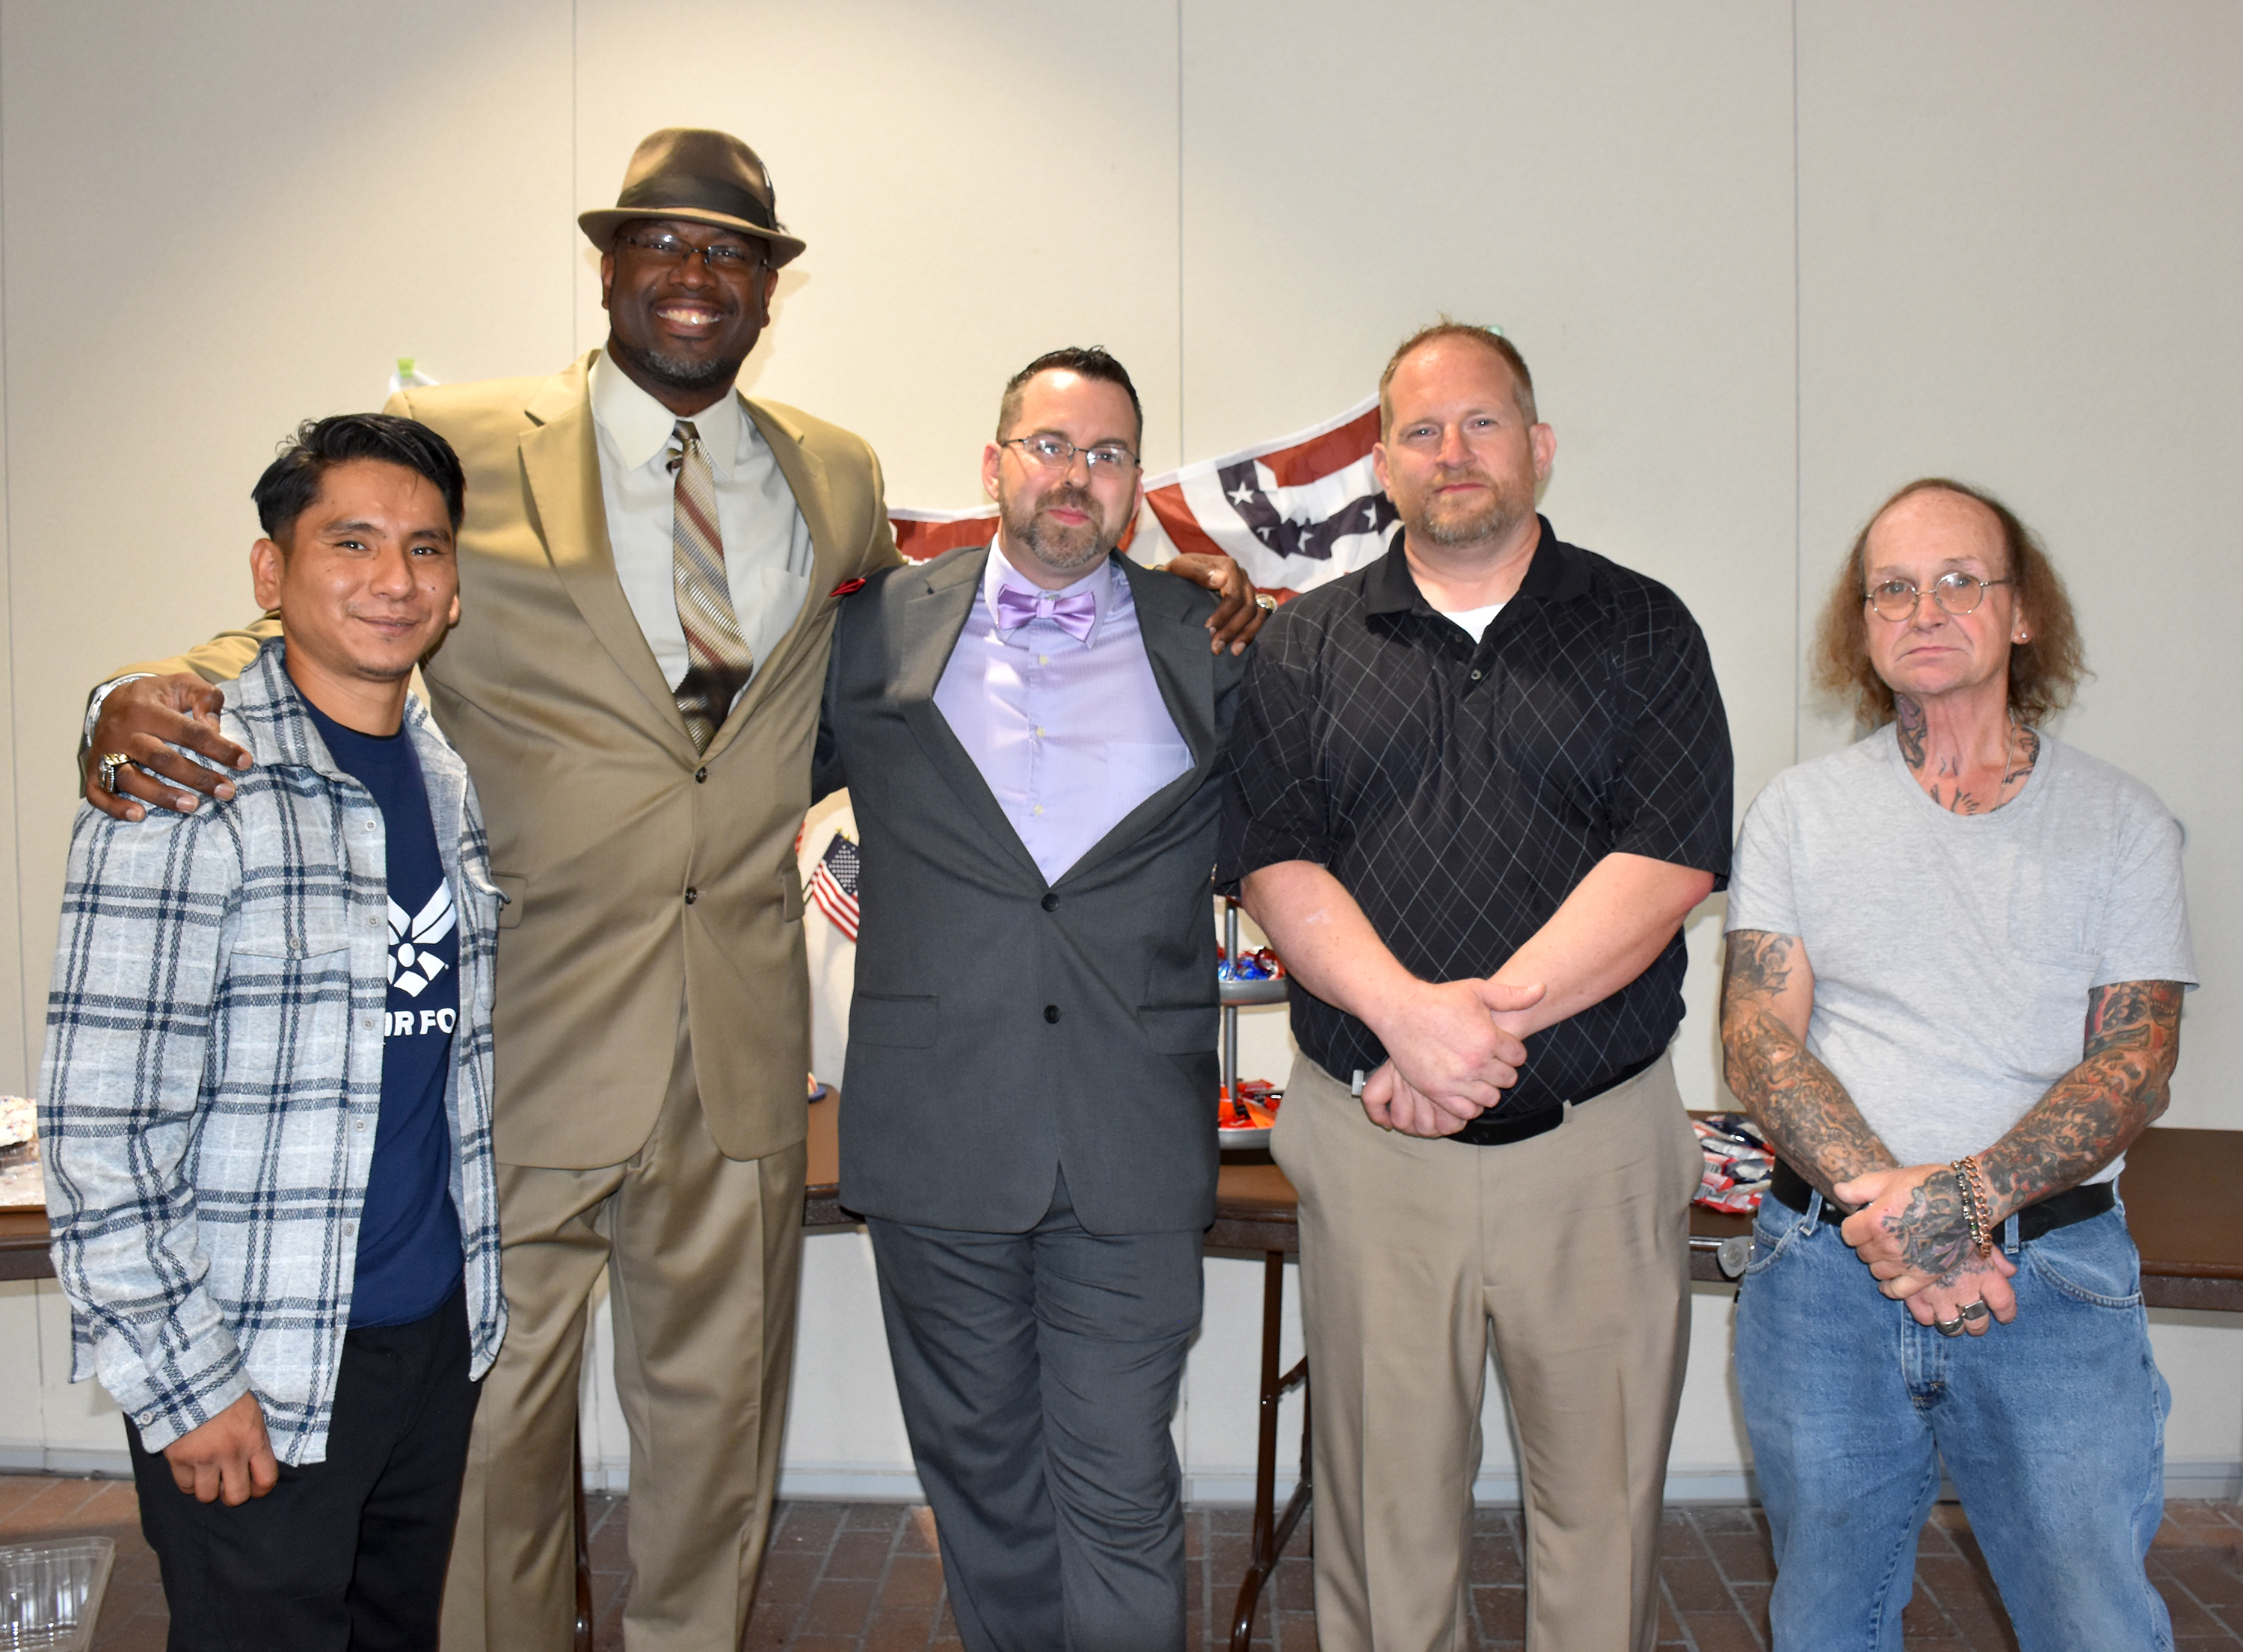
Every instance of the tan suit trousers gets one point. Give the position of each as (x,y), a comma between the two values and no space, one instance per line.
(1567,1254)
(704,1261)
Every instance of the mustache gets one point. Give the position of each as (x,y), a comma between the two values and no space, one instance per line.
(1069,497)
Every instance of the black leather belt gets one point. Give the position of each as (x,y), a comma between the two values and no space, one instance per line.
(1493,1129)
(1787,1187)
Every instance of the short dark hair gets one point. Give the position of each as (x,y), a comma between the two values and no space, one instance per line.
(1522,382)
(1091,362)
(2045,671)
(291,482)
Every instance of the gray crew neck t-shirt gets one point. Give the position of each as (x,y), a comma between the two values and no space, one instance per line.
(1953,954)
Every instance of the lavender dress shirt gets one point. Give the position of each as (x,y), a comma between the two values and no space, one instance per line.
(1069,735)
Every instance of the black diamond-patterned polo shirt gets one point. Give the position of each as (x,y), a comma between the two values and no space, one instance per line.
(1459,790)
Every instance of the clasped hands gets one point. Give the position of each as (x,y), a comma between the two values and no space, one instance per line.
(1457,1057)
(1915,1242)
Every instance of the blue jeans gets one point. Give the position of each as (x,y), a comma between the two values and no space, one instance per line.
(2052,1429)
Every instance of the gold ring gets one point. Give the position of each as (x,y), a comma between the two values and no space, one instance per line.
(110,764)
(1266,602)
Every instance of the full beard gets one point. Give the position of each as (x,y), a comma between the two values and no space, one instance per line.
(678,373)
(1060,548)
(1494,517)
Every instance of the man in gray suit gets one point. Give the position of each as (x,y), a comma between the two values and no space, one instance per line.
(1031,734)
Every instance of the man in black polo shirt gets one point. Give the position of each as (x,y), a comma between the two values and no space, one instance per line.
(1477,788)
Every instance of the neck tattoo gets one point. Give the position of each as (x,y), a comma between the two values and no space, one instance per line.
(2020,750)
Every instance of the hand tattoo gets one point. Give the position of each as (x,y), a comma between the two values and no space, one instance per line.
(2092,1114)
(1800,1106)
(1930,1231)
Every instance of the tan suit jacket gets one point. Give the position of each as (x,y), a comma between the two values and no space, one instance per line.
(638,871)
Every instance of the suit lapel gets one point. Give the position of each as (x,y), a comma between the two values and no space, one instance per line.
(1183,668)
(561,465)
(933,616)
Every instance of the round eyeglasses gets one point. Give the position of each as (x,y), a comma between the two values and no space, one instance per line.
(1957,594)
(1058,452)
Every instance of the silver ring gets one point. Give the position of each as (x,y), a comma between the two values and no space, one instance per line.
(1974,1312)
(1953,1327)
(1266,602)
(110,762)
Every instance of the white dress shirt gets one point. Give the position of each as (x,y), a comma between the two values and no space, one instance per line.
(767,551)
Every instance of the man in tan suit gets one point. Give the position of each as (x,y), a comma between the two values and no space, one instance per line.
(651,1023)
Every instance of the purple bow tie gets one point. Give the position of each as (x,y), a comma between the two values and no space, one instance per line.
(1075,614)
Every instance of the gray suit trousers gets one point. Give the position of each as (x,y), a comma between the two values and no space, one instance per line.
(1038,1372)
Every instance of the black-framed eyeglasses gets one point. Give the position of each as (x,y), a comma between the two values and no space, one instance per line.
(1957,594)
(726,258)
(1058,452)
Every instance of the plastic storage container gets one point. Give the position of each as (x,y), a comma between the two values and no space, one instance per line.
(50,1593)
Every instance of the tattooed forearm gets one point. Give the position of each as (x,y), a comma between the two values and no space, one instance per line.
(2092,1114)
(1800,1106)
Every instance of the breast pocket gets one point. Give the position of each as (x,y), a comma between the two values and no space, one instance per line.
(280,1015)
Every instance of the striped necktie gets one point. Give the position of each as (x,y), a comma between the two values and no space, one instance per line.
(717,661)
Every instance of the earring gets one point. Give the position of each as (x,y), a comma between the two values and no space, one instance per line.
(2022,636)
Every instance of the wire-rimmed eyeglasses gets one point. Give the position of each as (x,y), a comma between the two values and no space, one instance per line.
(1957,594)
(1058,454)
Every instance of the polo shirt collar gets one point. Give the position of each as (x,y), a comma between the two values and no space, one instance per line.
(640,426)
(1555,574)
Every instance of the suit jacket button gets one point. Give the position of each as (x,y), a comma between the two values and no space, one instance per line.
(1051,1012)
(691,895)
(701,773)
(1051,902)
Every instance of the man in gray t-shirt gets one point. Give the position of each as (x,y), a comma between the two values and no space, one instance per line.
(1957,956)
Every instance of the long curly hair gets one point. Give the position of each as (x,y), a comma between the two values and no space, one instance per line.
(2045,671)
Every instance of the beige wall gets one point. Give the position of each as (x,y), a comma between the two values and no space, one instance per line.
(1769,260)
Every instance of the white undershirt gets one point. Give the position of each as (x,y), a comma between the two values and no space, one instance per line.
(767,550)
(1475,620)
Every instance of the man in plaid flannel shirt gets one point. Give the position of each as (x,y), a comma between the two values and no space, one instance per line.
(266,1109)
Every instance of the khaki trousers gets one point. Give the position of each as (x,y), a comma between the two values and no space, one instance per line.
(704,1261)
(1568,1255)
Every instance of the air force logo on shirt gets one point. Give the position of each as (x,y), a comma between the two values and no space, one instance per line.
(414,964)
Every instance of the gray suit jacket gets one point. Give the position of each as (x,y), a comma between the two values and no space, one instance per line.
(1004,1029)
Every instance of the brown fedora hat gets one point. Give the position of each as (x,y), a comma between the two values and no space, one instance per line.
(700,175)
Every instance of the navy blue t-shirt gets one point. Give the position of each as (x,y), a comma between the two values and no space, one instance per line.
(409,1257)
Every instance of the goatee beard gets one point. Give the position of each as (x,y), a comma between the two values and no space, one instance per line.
(1063,549)
(677,373)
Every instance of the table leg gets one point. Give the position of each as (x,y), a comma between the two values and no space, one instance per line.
(1271,1533)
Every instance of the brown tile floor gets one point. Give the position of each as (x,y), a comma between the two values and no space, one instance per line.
(863,1577)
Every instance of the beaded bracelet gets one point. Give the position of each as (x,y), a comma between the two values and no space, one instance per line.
(1974,1201)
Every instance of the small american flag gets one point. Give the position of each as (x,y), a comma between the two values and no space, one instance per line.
(833,885)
